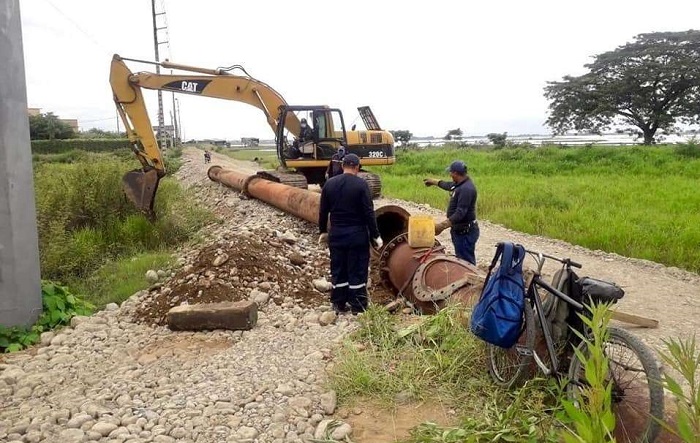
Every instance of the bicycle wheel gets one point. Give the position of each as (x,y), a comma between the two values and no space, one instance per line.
(637,393)
(512,367)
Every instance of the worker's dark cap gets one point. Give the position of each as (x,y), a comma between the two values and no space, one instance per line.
(351,160)
(457,166)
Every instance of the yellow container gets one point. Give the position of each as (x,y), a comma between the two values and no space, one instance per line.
(421,231)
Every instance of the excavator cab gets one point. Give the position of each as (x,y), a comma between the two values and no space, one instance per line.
(328,129)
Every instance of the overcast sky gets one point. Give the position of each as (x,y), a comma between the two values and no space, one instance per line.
(425,66)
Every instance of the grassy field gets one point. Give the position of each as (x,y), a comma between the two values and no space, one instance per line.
(636,201)
(92,238)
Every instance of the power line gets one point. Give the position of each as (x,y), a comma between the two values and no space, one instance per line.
(77,26)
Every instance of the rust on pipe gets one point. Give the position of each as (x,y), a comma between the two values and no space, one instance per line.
(299,202)
(426,277)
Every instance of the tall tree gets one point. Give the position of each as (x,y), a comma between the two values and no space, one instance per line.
(651,83)
(402,135)
(48,127)
(454,134)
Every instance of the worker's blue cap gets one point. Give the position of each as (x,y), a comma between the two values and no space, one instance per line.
(457,166)
(351,160)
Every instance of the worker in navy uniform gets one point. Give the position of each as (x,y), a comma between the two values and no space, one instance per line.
(461,211)
(335,167)
(347,198)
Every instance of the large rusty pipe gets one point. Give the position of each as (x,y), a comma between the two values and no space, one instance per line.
(299,202)
(426,277)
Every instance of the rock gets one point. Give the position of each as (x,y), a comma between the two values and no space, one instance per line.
(265,286)
(327,318)
(58,340)
(322,285)
(394,305)
(259,297)
(46,338)
(78,320)
(341,432)
(300,405)
(407,310)
(297,259)
(111,307)
(245,432)
(78,420)
(178,433)
(332,429)
(288,237)
(329,401)
(11,375)
(104,428)
(163,439)
(151,276)
(242,315)
(71,436)
(161,273)
(220,259)
(285,389)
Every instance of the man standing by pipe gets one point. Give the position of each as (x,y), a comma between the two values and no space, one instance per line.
(461,212)
(348,200)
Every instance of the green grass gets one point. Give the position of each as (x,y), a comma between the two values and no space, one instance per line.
(439,360)
(117,280)
(85,222)
(636,201)
(267,159)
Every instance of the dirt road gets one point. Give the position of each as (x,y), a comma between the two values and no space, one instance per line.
(667,294)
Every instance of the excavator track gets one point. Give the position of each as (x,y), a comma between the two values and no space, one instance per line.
(374,182)
(286,178)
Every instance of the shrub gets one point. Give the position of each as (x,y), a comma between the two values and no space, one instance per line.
(59,306)
(85,144)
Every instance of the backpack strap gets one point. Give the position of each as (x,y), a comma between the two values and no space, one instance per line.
(516,264)
(507,259)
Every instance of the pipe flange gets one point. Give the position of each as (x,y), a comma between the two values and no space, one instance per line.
(384,258)
(423,293)
(386,252)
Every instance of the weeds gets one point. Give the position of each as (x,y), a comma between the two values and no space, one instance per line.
(59,306)
(437,357)
(84,220)
(689,149)
(684,357)
(117,280)
(590,415)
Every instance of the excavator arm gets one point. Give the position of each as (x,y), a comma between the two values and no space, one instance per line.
(141,185)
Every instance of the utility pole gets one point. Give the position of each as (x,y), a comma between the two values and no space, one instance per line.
(176,134)
(20,278)
(157,43)
(180,134)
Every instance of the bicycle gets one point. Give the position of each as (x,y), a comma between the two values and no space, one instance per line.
(637,403)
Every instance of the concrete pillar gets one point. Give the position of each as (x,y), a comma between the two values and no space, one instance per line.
(20,279)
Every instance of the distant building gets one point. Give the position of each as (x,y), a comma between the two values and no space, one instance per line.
(72,122)
(250,141)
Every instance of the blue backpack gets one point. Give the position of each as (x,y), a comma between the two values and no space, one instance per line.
(497,318)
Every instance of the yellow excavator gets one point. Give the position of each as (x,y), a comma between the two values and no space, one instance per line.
(303,159)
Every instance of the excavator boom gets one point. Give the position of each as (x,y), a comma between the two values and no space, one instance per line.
(141,185)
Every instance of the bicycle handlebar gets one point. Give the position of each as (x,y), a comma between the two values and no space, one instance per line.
(565,261)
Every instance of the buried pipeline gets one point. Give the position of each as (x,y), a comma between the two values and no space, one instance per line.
(426,278)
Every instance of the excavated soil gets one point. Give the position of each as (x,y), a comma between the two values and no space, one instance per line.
(241,268)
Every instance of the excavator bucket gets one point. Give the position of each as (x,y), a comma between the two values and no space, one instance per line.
(140,188)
